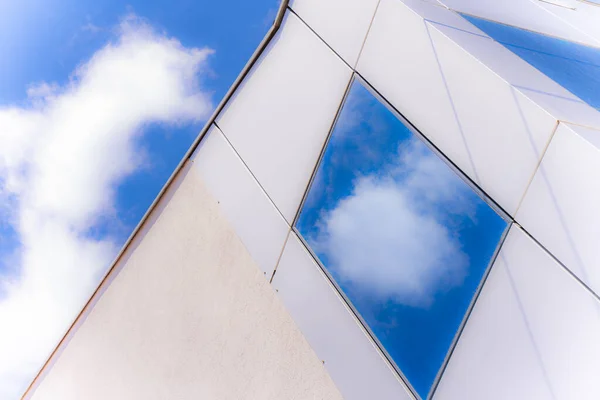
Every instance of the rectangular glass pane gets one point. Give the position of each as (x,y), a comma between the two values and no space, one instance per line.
(403,236)
(573,66)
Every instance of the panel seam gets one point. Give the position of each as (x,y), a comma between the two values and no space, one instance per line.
(362,46)
(537,167)
(323,149)
(320,38)
(232,147)
(560,263)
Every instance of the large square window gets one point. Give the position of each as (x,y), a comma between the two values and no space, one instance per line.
(402,235)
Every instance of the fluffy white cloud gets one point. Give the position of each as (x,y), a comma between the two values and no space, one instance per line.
(392,237)
(61,160)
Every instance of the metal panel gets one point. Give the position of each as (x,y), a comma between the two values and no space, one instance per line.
(561,208)
(399,61)
(343,24)
(279,118)
(533,333)
(527,14)
(505,132)
(356,366)
(255,219)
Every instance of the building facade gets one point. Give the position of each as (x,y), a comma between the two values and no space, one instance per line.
(397,199)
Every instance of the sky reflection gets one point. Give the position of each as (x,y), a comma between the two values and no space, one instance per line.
(573,66)
(405,238)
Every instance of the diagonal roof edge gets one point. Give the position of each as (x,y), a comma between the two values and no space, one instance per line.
(86,308)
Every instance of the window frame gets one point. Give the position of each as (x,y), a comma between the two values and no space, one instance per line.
(356,77)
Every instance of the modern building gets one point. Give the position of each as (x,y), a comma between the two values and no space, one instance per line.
(397,199)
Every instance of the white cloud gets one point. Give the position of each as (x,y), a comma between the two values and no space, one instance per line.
(392,238)
(61,160)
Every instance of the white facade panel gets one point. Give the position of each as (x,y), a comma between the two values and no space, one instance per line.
(504,131)
(505,63)
(279,118)
(433,12)
(255,219)
(528,14)
(400,62)
(343,24)
(589,134)
(565,109)
(562,206)
(556,100)
(533,333)
(580,15)
(356,366)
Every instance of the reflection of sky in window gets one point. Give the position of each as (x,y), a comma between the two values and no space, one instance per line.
(405,238)
(573,66)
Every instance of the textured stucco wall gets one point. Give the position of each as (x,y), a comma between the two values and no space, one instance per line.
(189,316)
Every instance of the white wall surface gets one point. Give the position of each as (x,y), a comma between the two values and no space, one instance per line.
(524,78)
(562,205)
(280,117)
(256,221)
(533,333)
(189,316)
(580,15)
(343,24)
(534,15)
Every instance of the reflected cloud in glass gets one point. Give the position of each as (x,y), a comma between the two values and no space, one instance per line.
(405,238)
(573,66)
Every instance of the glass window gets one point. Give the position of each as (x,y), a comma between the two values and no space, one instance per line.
(573,66)
(403,236)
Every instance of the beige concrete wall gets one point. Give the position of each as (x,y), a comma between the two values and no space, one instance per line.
(188,316)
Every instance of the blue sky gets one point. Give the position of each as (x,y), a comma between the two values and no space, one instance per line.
(98,103)
(45,40)
(404,236)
